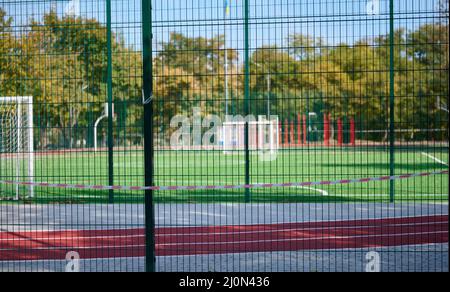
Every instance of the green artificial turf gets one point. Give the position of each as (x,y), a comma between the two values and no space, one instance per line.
(183,168)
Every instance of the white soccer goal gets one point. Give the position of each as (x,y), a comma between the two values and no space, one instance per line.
(263,136)
(16,145)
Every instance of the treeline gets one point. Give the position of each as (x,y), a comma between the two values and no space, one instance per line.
(62,63)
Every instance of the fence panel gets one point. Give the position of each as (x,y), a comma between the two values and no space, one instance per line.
(80,61)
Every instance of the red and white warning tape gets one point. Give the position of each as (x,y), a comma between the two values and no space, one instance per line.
(225,187)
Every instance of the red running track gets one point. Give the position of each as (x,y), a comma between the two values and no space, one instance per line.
(126,243)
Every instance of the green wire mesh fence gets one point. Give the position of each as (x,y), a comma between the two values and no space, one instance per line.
(216,93)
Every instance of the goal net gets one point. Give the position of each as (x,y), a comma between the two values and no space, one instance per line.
(16,146)
(263,136)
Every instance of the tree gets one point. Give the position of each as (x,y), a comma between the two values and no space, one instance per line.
(283,71)
(5,22)
(430,45)
(281,66)
(304,47)
(5,48)
(202,58)
(71,69)
(429,54)
(443,8)
(13,60)
(62,62)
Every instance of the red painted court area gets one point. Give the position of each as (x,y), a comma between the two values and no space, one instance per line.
(185,241)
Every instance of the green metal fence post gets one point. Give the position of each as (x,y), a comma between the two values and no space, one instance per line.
(110,103)
(392,100)
(247,100)
(147,51)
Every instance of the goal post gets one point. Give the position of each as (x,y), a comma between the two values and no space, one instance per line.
(263,135)
(16,145)
(105,115)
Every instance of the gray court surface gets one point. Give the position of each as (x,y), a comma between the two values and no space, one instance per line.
(74,217)
(428,258)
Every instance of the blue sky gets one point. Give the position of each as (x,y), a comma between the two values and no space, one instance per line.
(336,21)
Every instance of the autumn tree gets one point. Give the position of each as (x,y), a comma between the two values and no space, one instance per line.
(201,58)
(72,69)
(14,60)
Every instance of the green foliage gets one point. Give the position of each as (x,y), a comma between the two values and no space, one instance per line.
(14,62)
(5,22)
(69,73)
(304,47)
(201,57)
(62,62)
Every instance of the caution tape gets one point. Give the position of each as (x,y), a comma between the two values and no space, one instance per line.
(224,187)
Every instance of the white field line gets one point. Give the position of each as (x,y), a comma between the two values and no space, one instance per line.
(387,195)
(434,158)
(323,192)
(369,195)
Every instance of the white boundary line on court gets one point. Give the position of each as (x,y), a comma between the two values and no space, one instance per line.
(305,239)
(58,238)
(240,225)
(434,158)
(235,242)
